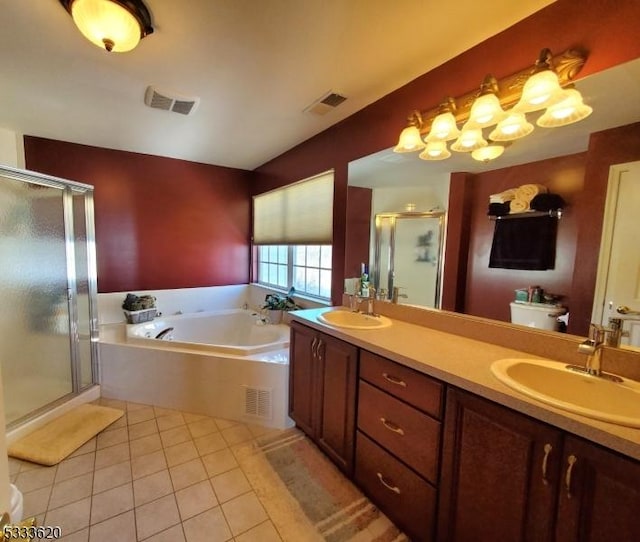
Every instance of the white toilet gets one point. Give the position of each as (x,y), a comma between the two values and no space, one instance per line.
(538,315)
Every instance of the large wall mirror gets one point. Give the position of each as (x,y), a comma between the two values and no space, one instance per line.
(556,157)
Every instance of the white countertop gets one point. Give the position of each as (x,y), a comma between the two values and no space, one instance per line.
(465,363)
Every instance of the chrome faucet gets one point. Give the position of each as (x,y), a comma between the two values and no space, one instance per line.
(592,348)
(370,300)
(397,294)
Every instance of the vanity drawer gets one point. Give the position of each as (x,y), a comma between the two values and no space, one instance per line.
(411,386)
(406,432)
(399,492)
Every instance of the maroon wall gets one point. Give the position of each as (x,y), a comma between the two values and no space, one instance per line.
(488,290)
(160,223)
(358,229)
(608,30)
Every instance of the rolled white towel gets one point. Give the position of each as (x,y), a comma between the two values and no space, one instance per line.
(529,191)
(518,205)
(503,197)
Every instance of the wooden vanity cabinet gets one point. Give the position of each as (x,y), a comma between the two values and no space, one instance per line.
(322,391)
(398,442)
(506,476)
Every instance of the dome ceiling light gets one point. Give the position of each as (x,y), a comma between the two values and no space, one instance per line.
(114,25)
(502,107)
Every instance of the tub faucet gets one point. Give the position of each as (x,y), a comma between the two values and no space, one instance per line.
(163,334)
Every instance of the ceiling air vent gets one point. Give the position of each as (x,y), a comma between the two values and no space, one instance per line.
(170,101)
(326,103)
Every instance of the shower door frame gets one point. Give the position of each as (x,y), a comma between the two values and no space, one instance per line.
(393,218)
(69,189)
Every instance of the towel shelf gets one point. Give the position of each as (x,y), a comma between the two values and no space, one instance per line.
(554,213)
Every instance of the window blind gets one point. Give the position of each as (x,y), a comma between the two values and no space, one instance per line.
(297,214)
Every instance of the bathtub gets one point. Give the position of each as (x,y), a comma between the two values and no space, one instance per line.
(226,364)
(237,332)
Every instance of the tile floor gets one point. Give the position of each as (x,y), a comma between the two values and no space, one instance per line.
(156,475)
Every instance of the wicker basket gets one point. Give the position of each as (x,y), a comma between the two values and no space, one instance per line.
(137,317)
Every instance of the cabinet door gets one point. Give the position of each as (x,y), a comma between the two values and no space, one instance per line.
(496,483)
(336,427)
(599,498)
(303,379)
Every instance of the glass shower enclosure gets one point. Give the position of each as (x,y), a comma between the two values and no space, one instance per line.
(48,323)
(408,255)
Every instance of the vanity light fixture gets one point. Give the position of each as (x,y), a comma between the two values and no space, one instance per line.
(502,104)
(114,25)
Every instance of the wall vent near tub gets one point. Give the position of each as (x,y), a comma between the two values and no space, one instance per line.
(258,402)
(327,102)
(168,101)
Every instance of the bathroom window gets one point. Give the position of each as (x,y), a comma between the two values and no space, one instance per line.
(293,232)
(305,267)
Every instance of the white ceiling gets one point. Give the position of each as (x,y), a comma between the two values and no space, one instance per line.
(255,65)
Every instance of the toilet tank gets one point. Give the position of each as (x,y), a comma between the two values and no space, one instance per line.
(538,315)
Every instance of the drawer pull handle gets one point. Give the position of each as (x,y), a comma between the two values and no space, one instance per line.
(395,489)
(313,347)
(394,380)
(571,461)
(392,426)
(547,451)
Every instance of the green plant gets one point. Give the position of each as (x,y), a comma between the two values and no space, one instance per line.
(138,303)
(278,302)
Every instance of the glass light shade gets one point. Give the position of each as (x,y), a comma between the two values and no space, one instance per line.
(571,109)
(470,139)
(488,153)
(106,24)
(541,90)
(410,140)
(514,126)
(443,128)
(486,111)
(435,150)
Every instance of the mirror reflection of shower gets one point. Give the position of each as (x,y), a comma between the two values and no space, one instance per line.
(408,255)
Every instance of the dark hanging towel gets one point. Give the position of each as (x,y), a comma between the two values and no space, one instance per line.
(524,243)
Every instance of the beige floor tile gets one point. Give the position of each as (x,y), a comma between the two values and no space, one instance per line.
(187,474)
(173,534)
(71,490)
(230,484)
(112,502)
(120,422)
(111,438)
(160,411)
(157,516)
(224,424)
(244,512)
(35,478)
(112,455)
(142,429)
(78,536)
(169,422)
(152,487)
(180,453)
(120,528)
(14,465)
(87,447)
(174,436)
(136,406)
(260,430)
(203,427)
(70,518)
(75,466)
(210,443)
(236,434)
(219,462)
(113,403)
(140,415)
(111,477)
(36,502)
(190,417)
(265,532)
(206,527)
(195,499)
(148,464)
(145,445)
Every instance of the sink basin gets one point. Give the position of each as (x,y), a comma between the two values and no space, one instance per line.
(552,383)
(353,320)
